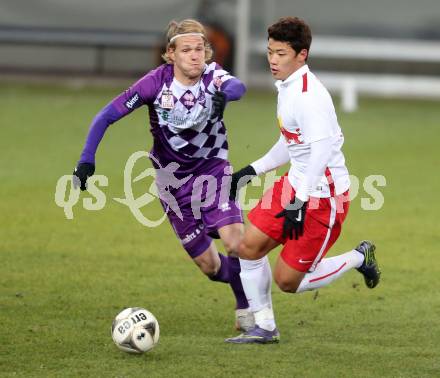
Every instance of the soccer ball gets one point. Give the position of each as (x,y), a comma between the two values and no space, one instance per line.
(135,330)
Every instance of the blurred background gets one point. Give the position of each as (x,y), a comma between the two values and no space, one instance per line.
(379,47)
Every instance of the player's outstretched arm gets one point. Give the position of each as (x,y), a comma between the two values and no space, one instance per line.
(108,115)
(276,157)
(86,165)
(140,93)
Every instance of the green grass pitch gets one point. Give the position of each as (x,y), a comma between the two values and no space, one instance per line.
(62,281)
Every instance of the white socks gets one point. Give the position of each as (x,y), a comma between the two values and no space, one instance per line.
(256,277)
(330,269)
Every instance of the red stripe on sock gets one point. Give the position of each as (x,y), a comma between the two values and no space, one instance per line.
(328,275)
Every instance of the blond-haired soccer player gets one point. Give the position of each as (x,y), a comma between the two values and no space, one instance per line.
(186,98)
(305,209)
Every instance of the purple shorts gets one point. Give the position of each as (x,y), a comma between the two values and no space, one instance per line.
(201,206)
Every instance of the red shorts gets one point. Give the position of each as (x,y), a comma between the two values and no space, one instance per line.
(322,226)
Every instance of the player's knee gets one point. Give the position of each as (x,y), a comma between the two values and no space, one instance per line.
(232,245)
(246,251)
(209,268)
(251,251)
(231,239)
(286,285)
(208,271)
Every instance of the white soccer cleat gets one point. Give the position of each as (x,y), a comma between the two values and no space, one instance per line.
(244,319)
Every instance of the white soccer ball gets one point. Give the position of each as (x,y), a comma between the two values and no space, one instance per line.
(135,330)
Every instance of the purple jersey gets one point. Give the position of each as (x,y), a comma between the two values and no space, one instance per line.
(181,121)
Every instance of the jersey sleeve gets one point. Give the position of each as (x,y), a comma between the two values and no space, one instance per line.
(277,156)
(230,85)
(319,157)
(233,88)
(220,73)
(140,93)
(315,118)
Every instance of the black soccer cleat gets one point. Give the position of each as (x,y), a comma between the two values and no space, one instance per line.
(369,268)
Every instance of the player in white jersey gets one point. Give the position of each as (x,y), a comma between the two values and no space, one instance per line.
(305,209)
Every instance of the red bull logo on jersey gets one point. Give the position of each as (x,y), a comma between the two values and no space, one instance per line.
(291,137)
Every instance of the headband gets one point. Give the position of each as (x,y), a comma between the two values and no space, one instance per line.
(184,34)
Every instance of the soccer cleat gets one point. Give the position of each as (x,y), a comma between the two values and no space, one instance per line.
(369,268)
(256,335)
(244,319)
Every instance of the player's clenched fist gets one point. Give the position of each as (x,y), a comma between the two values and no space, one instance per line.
(81,173)
(294,216)
(240,179)
(218,104)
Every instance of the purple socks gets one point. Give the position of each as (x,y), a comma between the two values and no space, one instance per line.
(229,272)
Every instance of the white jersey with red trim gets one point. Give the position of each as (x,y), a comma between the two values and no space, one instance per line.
(306,115)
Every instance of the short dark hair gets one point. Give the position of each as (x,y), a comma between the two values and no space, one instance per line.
(292,30)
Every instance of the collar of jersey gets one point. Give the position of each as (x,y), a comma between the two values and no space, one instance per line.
(192,88)
(294,76)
